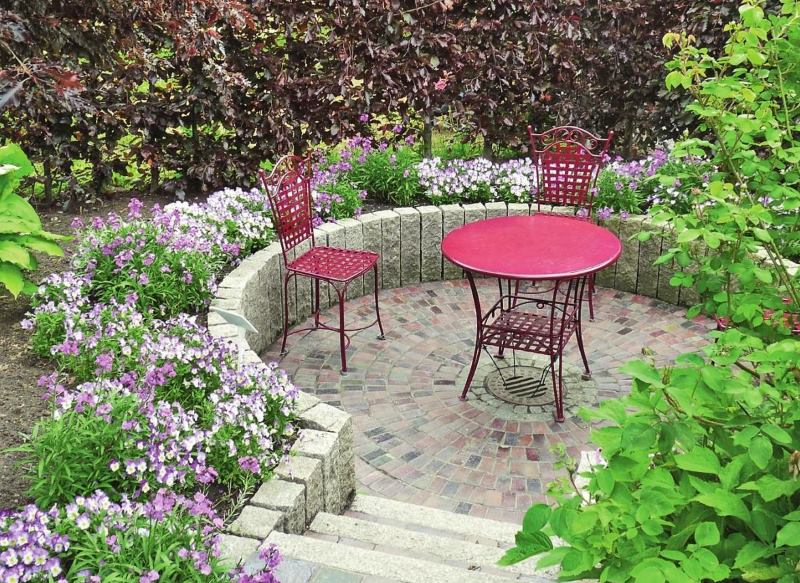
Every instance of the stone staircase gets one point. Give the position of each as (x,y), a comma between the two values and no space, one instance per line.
(380,540)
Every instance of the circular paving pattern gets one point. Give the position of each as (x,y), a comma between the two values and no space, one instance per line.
(415,441)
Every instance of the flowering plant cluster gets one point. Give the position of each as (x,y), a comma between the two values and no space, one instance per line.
(661,179)
(170,261)
(148,406)
(169,406)
(387,172)
(477,180)
(169,538)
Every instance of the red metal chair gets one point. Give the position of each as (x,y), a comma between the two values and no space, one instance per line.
(567,160)
(541,322)
(288,188)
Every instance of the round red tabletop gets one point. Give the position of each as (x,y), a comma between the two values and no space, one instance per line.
(535,247)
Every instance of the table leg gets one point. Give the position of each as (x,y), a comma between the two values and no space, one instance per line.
(476,356)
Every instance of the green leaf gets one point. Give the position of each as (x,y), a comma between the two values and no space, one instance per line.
(41,244)
(725,503)
(776,433)
(11,252)
(700,459)
(760,451)
(513,556)
(789,535)
(536,517)
(706,534)
(762,235)
(639,369)
(14,206)
(11,277)
(688,235)
(752,551)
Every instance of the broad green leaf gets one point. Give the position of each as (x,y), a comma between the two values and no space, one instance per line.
(15,225)
(700,459)
(41,244)
(760,451)
(11,277)
(513,556)
(776,433)
(13,205)
(16,254)
(750,552)
(725,503)
(789,535)
(706,534)
(639,369)
(536,517)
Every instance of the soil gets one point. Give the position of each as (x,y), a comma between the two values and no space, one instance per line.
(20,369)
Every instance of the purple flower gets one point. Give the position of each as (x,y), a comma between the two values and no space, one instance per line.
(583,212)
(624,215)
(135,208)
(104,362)
(250,464)
(143,279)
(605,213)
(149,577)
(398,129)
(77,223)
(363,118)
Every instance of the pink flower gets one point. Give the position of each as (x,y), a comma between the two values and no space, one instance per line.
(440,84)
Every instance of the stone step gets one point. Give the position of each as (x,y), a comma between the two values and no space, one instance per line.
(388,538)
(433,520)
(363,564)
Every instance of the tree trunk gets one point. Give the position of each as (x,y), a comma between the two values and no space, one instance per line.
(48,182)
(487,148)
(155,177)
(427,137)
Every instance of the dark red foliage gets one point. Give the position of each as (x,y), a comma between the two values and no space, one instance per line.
(209,88)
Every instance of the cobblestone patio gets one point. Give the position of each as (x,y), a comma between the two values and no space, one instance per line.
(416,442)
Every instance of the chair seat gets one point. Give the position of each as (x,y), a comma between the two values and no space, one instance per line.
(333,264)
(528,332)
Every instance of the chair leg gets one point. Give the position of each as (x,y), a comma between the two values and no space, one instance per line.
(559,412)
(317,307)
(476,356)
(285,312)
(579,334)
(377,309)
(341,295)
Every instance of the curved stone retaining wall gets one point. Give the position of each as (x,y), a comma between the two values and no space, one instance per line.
(321,471)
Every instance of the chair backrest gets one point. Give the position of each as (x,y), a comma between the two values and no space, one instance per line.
(288,189)
(567,161)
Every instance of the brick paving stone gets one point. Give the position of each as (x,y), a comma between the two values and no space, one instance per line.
(415,441)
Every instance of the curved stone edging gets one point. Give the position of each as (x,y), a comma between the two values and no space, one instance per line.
(321,471)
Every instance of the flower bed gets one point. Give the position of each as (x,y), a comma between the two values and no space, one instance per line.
(151,412)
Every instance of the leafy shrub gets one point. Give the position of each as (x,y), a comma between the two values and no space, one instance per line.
(455,147)
(20,227)
(337,200)
(167,539)
(699,479)
(170,262)
(678,183)
(387,173)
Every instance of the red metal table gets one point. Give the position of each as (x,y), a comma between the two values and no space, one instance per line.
(529,248)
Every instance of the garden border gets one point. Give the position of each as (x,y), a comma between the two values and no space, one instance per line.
(320,473)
